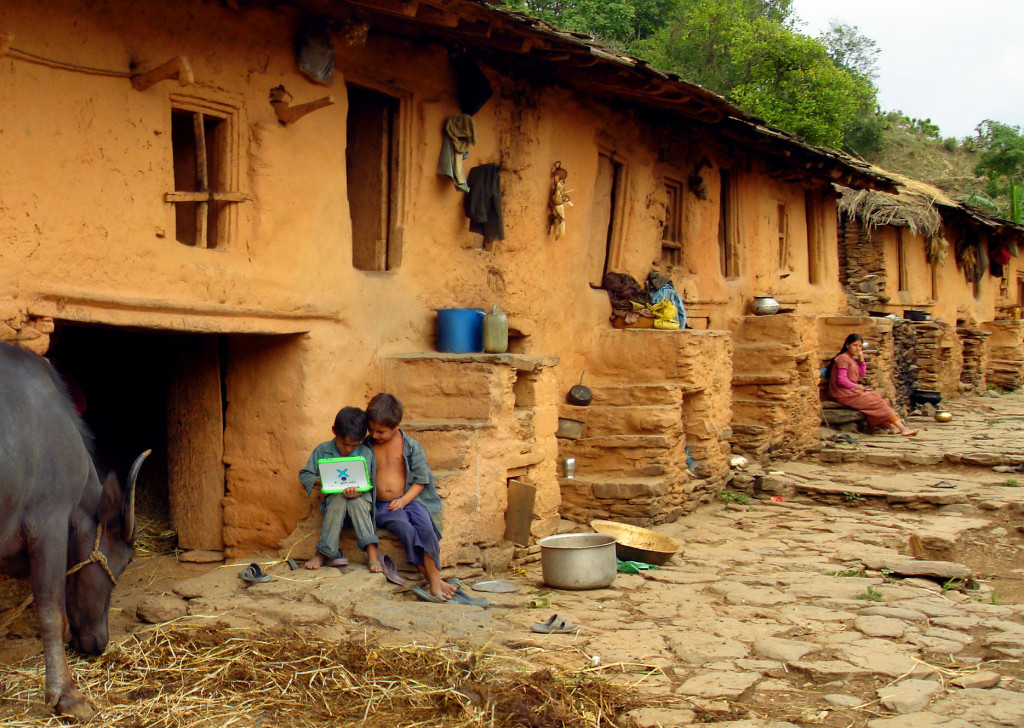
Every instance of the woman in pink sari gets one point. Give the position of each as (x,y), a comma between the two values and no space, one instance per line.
(845,372)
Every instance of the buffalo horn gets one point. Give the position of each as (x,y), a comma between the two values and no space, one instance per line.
(128,511)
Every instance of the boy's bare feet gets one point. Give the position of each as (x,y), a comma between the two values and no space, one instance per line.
(438,587)
(372,559)
(319,560)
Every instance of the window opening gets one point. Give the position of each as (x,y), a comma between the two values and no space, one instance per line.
(672,233)
(782,227)
(727,247)
(200,147)
(603,220)
(813,218)
(901,260)
(371,166)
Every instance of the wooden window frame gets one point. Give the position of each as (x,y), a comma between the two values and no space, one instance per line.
(672,232)
(728,223)
(617,209)
(902,271)
(228,167)
(387,253)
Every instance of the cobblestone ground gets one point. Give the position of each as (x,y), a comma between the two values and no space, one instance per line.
(878,583)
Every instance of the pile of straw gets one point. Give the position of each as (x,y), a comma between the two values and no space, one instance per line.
(192,677)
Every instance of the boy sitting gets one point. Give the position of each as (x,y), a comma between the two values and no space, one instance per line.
(349,431)
(407,501)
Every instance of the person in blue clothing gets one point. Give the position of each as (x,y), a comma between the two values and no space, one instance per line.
(349,432)
(407,501)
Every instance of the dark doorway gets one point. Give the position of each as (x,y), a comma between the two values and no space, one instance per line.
(154,390)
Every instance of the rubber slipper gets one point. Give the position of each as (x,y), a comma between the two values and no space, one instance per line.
(253,574)
(292,564)
(555,625)
(462,597)
(942,484)
(426,596)
(391,571)
(339,562)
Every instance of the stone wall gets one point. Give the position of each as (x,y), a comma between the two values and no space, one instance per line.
(939,358)
(775,378)
(861,266)
(1006,353)
(654,441)
(973,375)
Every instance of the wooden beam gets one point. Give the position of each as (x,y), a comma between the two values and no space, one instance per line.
(178,67)
(290,114)
(205,197)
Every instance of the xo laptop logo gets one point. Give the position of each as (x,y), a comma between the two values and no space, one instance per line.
(343,474)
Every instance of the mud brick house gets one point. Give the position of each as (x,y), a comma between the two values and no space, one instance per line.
(950,282)
(224,221)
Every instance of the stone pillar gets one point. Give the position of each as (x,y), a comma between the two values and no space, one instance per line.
(1006,353)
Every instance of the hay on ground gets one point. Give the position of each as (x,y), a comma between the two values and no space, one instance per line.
(194,677)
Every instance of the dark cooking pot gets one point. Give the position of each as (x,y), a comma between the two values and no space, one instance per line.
(579,395)
(921,396)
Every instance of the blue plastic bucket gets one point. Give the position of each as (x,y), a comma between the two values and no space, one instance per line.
(460,330)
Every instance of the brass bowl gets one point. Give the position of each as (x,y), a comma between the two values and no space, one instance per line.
(943,416)
(634,543)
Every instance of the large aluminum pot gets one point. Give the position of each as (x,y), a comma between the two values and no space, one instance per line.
(578,560)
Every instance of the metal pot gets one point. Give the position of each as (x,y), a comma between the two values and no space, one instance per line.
(578,561)
(579,395)
(764,306)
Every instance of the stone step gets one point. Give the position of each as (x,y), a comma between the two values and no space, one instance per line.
(624,461)
(626,395)
(624,488)
(602,420)
(448,443)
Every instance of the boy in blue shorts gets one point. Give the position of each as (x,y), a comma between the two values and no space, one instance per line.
(407,501)
(349,432)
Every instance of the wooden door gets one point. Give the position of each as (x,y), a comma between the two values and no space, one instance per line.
(195,444)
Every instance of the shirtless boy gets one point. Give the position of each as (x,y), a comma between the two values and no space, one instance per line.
(407,501)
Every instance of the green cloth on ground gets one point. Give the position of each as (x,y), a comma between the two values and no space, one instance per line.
(633,567)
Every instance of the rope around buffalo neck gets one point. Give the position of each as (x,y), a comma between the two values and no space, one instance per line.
(97,557)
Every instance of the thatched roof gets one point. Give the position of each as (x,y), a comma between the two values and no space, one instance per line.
(921,208)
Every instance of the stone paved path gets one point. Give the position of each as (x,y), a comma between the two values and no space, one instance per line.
(863,595)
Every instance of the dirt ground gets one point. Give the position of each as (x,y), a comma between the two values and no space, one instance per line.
(388,618)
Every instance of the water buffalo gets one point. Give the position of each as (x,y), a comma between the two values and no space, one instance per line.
(59,526)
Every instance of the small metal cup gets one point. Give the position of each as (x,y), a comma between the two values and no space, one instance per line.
(570,467)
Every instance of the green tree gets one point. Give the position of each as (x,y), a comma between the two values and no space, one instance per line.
(789,80)
(851,49)
(614,22)
(1002,164)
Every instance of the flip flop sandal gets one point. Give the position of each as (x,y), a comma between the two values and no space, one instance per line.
(253,574)
(426,596)
(338,563)
(292,564)
(391,571)
(462,597)
(555,625)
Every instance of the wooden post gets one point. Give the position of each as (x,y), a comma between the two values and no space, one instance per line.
(286,114)
(178,67)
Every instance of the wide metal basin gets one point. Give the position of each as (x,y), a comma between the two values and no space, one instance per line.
(578,560)
(634,543)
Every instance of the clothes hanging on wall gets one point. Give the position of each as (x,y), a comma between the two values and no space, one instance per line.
(483,203)
(459,133)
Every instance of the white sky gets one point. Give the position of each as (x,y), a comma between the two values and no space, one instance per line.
(957,62)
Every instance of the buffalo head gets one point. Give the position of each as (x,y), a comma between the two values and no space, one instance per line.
(99,559)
